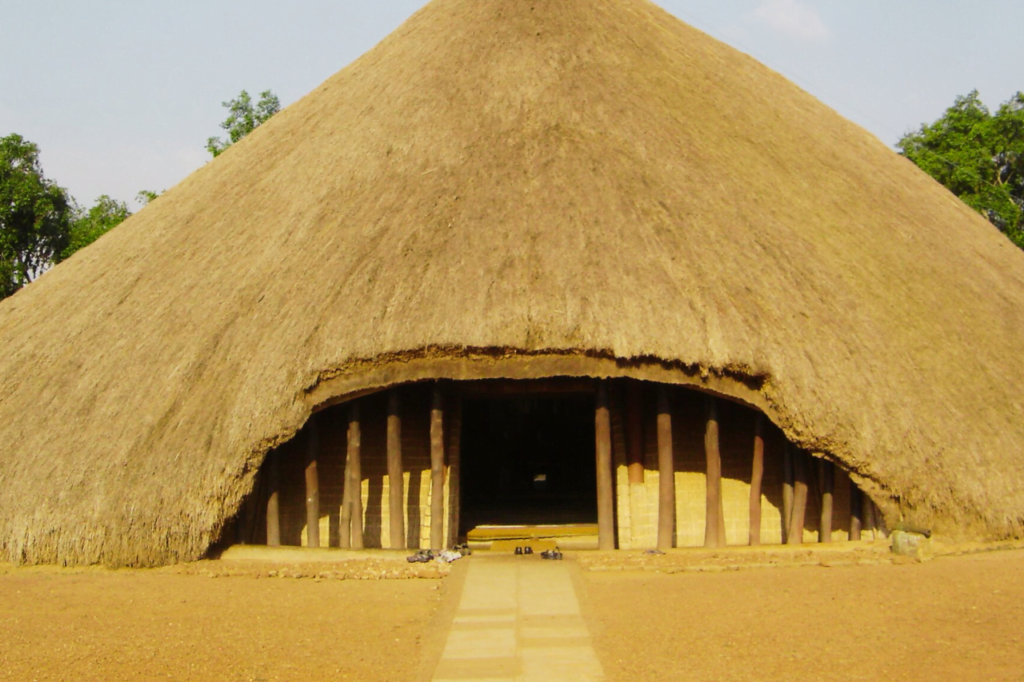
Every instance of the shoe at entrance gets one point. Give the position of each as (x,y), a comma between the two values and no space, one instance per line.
(421,557)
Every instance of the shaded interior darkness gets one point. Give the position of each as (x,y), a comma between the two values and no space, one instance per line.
(528,460)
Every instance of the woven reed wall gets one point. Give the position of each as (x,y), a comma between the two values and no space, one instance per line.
(637,504)
(332,425)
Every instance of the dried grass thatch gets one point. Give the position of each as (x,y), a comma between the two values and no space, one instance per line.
(513,188)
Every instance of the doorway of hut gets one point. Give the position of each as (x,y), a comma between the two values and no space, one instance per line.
(528,460)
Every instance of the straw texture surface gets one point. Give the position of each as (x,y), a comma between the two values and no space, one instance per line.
(590,184)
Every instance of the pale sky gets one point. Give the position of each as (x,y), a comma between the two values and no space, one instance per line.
(121,95)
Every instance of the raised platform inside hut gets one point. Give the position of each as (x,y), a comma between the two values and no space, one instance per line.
(577,536)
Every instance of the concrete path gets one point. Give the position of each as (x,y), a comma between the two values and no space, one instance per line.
(518,619)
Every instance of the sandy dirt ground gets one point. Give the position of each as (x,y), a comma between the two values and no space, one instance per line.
(200,624)
(955,618)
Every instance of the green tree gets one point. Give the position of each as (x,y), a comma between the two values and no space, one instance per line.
(979,156)
(243,118)
(88,226)
(35,215)
(146,196)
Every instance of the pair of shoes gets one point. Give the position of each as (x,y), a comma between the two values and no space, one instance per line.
(421,557)
(462,549)
(524,550)
(553,554)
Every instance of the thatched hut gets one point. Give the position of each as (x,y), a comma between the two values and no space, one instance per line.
(505,221)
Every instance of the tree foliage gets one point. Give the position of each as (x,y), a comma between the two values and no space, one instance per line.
(40,223)
(146,196)
(35,215)
(243,118)
(979,156)
(88,226)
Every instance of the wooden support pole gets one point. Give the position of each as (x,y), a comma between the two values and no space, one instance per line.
(247,514)
(855,512)
(605,499)
(714,518)
(666,473)
(756,478)
(880,529)
(635,431)
(396,474)
(437,469)
(345,514)
(826,478)
(312,485)
(796,523)
(454,468)
(787,490)
(273,499)
(868,514)
(354,476)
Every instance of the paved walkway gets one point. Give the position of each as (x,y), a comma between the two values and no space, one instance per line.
(518,619)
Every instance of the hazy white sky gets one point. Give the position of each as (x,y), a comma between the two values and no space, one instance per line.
(122,94)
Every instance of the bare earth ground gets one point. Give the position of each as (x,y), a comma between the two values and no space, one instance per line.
(955,618)
(183,624)
(652,618)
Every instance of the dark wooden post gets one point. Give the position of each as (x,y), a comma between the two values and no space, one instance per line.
(437,469)
(868,514)
(827,477)
(396,474)
(787,490)
(635,431)
(796,524)
(880,529)
(245,521)
(855,512)
(345,515)
(454,468)
(354,476)
(605,499)
(273,499)
(312,485)
(666,473)
(756,477)
(714,518)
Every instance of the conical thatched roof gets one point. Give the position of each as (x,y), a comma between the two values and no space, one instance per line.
(517,188)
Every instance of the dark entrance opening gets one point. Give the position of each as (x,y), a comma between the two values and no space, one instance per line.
(528,460)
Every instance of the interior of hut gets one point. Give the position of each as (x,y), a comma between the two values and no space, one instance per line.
(627,464)
(528,460)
